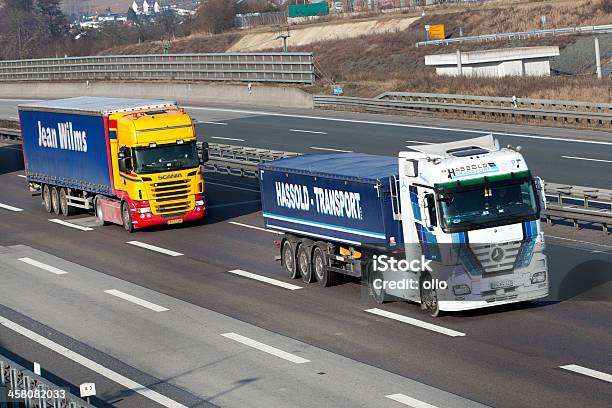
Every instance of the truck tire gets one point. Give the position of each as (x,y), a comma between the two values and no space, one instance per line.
(126,217)
(46,198)
(99,214)
(63,200)
(288,259)
(324,276)
(55,200)
(379,295)
(429,298)
(304,264)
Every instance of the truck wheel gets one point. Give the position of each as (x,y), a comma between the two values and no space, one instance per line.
(46,196)
(99,214)
(63,200)
(377,291)
(126,215)
(304,265)
(55,200)
(288,259)
(429,298)
(324,276)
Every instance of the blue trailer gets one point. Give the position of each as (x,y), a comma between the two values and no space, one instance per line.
(332,208)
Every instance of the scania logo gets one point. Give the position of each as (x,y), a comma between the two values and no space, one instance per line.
(169,176)
(497,254)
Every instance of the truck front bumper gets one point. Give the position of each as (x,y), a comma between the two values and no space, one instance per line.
(149,219)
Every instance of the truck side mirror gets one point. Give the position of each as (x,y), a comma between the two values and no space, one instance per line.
(411,168)
(541,191)
(202,148)
(125,164)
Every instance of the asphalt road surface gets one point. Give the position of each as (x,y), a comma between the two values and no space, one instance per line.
(173,326)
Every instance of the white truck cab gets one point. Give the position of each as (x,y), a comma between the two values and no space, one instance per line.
(474,209)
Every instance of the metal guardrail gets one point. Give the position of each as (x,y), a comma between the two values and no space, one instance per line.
(39,393)
(390,105)
(254,67)
(596,29)
(579,204)
(498,101)
(10,134)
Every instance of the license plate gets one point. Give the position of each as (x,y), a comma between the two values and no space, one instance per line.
(175,221)
(502,284)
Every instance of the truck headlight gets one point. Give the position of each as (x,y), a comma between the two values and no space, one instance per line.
(538,277)
(460,290)
(144,210)
(199,203)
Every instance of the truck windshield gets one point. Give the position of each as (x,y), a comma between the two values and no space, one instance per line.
(488,204)
(165,158)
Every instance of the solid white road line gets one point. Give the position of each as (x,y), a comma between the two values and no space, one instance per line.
(265,279)
(331,150)
(210,122)
(10,207)
(91,365)
(579,241)
(22,176)
(587,159)
(415,322)
(418,142)
(265,348)
(234,187)
(308,131)
(405,125)
(587,371)
(254,227)
(227,138)
(41,265)
(232,204)
(136,300)
(154,248)
(411,402)
(71,225)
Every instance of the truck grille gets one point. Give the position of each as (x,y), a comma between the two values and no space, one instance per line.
(496,259)
(169,197)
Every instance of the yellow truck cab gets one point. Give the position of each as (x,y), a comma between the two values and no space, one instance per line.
(134,161)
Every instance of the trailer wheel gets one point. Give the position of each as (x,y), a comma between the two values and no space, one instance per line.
(126,216)
(377,291)
(55,200)
(288,259)
(324,276)
(46,196)
(99,214)
(429,297)
(63,200)
(304,265)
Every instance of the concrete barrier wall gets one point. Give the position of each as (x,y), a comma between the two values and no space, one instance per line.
(261,95)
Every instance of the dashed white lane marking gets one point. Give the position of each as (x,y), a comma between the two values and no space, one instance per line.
(136,300)
(22,176)
(588,372)
(210,122)
(154,248)
(265,279)
(227,138)
(92,365)
(41,265)
(579,241)
(308,131)
(234,187)
(10,207)
(331,150)
(411,402)
(417,142)
(265,348)
(254,227)
(404,125)
(415,322)
(71,225)
(587,159)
